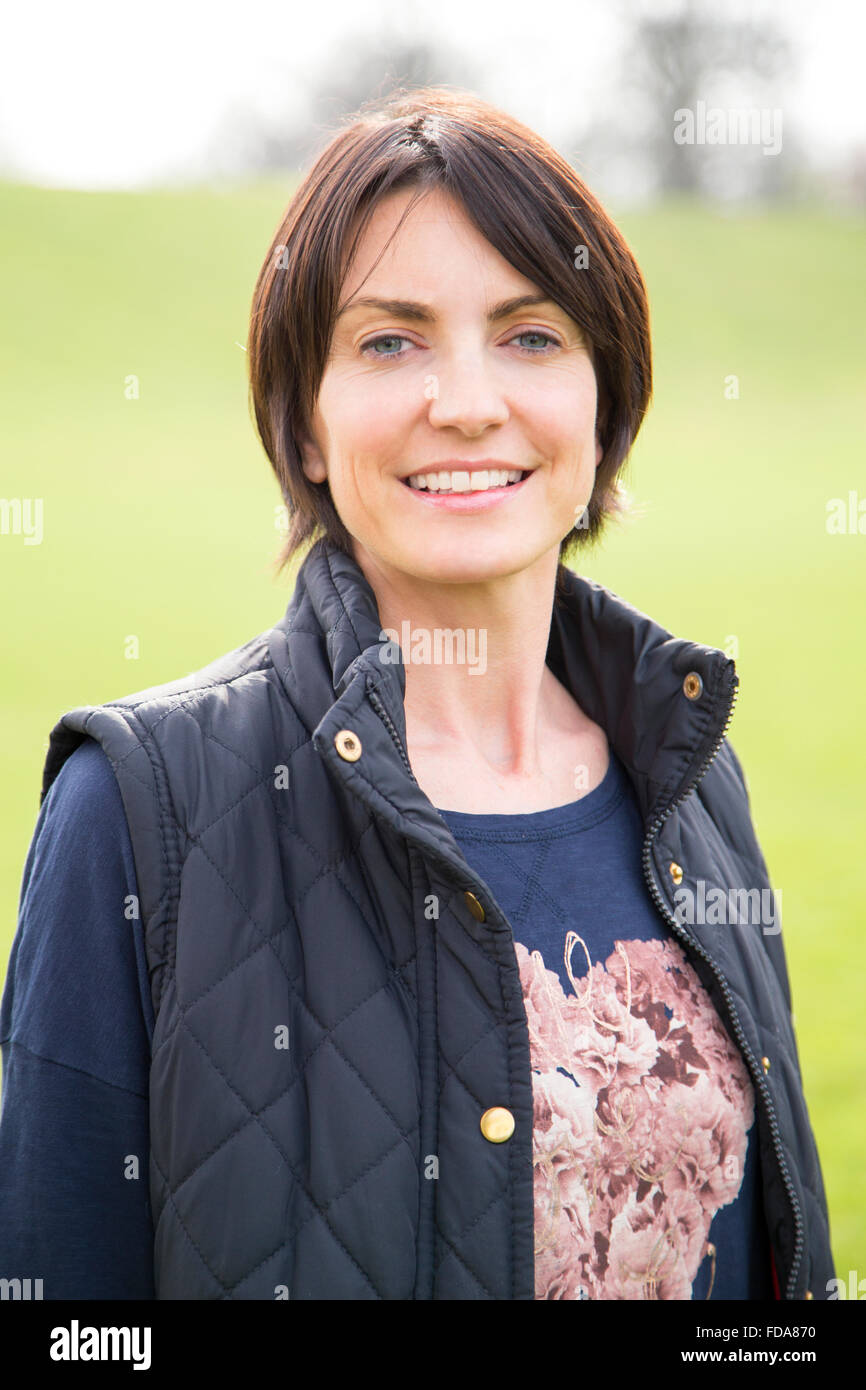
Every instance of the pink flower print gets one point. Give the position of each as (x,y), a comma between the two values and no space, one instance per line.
(563,1142)
(642,1111)
(655,1255)
(711,1160)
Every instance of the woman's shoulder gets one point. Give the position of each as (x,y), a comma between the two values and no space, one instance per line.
(86,784)
(223,697)
(76,941)
(80,818)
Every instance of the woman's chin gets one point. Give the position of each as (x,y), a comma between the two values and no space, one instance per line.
(461,562)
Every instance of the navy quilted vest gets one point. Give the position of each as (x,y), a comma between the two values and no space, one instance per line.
(336,992)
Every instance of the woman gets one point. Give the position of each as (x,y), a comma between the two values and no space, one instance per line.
(427,998)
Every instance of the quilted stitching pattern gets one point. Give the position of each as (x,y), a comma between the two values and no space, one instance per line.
(267,967)
(237,833)
(302,908)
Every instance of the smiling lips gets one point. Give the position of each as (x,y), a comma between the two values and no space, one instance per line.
(461,480)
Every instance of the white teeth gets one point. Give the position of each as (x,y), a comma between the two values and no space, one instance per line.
(480,481)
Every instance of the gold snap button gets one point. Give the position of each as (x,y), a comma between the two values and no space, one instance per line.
(497,1124)
(693,685)
(765,1063)
(348,745)
(676,873)
(475,908)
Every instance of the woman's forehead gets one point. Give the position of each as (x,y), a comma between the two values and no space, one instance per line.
(394,256)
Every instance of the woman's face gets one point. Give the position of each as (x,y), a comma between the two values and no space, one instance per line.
(448,378)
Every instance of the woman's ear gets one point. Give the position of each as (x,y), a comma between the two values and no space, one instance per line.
(312,462)
(599,452)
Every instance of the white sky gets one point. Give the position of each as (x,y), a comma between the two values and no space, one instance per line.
(98,94)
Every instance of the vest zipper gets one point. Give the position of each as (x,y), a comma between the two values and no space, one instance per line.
(695,946)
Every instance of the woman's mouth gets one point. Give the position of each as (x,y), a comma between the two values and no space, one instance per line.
(464,491)
(457,481)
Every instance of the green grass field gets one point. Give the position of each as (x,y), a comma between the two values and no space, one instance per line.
(159,524)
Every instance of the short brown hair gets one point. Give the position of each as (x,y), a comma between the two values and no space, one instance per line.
(528,203)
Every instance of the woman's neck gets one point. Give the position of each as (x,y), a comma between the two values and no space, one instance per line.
(477,686)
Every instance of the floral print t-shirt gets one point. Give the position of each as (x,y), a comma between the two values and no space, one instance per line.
(646,1173)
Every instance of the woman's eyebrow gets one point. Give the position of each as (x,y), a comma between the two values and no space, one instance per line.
(423,313)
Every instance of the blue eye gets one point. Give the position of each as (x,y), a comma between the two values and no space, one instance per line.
(385,338)
(536,333)
(368,348)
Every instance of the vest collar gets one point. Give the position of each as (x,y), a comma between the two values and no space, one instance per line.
(626,672)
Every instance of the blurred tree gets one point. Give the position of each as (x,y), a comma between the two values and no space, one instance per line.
(673,60)
(359,69)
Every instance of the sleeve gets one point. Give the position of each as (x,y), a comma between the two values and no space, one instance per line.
(76,1024)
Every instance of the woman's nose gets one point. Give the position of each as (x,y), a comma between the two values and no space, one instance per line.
(467,393)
